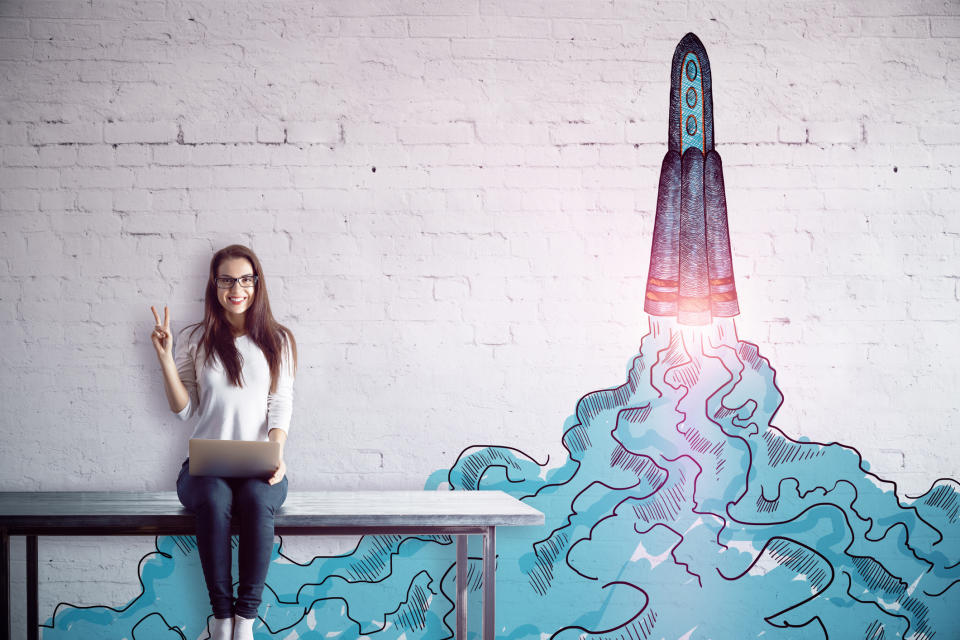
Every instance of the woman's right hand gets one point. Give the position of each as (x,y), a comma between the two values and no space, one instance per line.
(161,337)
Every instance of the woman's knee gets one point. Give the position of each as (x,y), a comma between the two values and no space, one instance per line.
(255,494)
(210,494)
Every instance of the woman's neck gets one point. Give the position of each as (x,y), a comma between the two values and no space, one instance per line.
(238,326)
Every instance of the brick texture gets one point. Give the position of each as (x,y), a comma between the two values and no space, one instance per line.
(471,180)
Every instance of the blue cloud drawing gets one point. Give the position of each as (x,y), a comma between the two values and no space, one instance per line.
(680,512)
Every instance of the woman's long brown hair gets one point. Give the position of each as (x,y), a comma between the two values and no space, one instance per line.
(268,334)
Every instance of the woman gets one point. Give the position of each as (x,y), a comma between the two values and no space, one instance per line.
(234,371)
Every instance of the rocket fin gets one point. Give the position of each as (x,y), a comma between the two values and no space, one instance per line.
(723,290)
(662,278)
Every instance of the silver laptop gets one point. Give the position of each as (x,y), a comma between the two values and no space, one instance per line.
(233,458)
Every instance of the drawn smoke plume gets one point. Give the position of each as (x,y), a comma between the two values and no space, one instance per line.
(681,511)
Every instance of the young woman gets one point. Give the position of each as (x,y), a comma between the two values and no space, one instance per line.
(234,371)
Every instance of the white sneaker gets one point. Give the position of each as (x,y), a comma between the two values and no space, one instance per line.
(221,628)
(243,628)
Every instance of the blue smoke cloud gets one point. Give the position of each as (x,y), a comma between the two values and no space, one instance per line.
(680,512)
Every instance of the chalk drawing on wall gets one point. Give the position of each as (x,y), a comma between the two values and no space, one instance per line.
(680,512)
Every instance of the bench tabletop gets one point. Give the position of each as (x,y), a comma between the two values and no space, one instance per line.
(144,512)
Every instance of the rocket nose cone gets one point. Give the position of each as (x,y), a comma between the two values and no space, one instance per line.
(691,97)
(689,42)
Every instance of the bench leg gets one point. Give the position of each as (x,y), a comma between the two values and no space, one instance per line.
(33,623)
(461,587)
(489,580)
(5,585)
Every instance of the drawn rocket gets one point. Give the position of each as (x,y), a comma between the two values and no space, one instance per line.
(691,271)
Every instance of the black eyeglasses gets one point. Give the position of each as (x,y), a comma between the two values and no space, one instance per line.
(245,281)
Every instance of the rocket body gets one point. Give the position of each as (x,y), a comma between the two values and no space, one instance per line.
(691,269)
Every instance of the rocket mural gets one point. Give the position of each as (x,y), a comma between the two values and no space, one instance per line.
(680,512)
(691,272)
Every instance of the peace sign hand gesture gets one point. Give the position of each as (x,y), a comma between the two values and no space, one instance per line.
(161,337)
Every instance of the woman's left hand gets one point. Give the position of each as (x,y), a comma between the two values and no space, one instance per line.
(279,473)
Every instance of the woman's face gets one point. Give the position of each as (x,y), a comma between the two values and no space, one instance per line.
(237,299)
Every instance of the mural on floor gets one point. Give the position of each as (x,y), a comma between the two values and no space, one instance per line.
(680,512)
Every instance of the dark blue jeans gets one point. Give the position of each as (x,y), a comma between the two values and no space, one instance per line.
(213,502)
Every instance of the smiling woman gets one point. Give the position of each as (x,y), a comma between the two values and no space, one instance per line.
(235,304)
(234,371)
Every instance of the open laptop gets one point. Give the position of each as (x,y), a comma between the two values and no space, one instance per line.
(233,458)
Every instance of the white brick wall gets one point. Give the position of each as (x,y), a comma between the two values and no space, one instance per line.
(453,202)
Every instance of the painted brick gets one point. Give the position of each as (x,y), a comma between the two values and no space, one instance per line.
(23,177)
(512,133)
(517,147)
(507,27)
(374,27)
(249,177)
(14,28)
(313,132)
(833,132)
(502,49)
(879,8)
(64,30)
(581,133)
(203,132)
(891,132)
(369,133)
(13,134)
(271,132)
(899,27)
(132,200)
(95,155)
(58,133)
(21,156)
(552,8)
(172,178)
(142,132)
(531,178)
(16,49)
(457,132)
(131,155)
(936,134)
(438,26)
(225,199)
(947,27)
(587,30)
(57,200)
(159,223)
(20,200)
(645,132)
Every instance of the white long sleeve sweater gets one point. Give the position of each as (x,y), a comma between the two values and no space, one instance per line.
(226,412)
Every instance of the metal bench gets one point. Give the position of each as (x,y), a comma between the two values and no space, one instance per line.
(118,513)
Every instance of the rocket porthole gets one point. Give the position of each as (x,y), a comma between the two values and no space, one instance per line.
(691,70)
(691,97)
(691,126)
